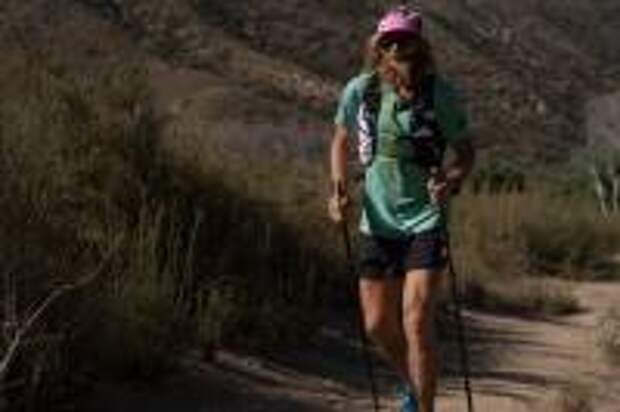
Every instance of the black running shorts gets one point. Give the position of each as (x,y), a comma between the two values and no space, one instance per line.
(390,258)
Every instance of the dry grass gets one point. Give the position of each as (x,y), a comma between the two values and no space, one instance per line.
(574,397)
(514,238)
(538,232)
(525,296)
(82,177)
(209,248)
(608,336)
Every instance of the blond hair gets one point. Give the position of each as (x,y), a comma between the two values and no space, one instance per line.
(422,58)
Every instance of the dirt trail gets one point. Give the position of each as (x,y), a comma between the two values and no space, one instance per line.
(518,364)
(537,358)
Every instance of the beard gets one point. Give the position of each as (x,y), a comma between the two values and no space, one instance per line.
(395,73)
(402,75)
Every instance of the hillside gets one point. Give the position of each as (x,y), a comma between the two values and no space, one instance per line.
(527,68)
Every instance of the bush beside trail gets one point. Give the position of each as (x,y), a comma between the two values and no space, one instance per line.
(517,251)
(140,255)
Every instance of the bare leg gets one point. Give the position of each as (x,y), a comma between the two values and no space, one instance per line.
(418,318)
(381,304)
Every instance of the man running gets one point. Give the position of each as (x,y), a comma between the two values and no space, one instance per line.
(404,115)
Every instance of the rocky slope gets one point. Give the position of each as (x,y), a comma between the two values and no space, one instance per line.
(527,68)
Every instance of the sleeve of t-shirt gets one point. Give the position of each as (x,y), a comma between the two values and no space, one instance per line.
(348,106)
(451,112)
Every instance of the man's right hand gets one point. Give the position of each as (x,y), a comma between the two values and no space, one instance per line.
(339,200)
(337,207)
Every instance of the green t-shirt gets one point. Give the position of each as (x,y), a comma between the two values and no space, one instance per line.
(395,201)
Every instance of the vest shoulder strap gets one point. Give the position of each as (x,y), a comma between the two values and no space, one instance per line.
(427,150)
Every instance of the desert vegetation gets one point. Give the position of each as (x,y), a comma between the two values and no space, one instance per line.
(525,240)
(128,227)
(118,253)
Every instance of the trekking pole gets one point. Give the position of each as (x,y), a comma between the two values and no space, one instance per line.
(457,309)
(460,325)
(360,317)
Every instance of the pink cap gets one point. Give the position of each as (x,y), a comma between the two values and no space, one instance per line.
(400,19)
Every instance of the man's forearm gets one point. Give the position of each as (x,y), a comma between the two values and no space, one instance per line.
(462,165)
(338,160)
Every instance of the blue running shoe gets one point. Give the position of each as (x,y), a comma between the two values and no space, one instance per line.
(409,402)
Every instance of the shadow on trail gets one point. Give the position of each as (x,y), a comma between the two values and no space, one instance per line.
(489,344)
(200,391)
(336,356)
(328,373)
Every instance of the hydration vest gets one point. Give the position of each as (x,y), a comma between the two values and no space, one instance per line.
(426,140)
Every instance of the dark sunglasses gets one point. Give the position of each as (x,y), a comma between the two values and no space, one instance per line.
(405,51)
(400,40)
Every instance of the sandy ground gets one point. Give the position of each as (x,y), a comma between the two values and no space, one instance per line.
(518,365)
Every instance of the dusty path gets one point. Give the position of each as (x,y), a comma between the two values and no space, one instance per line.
(518,364)
(537,358)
